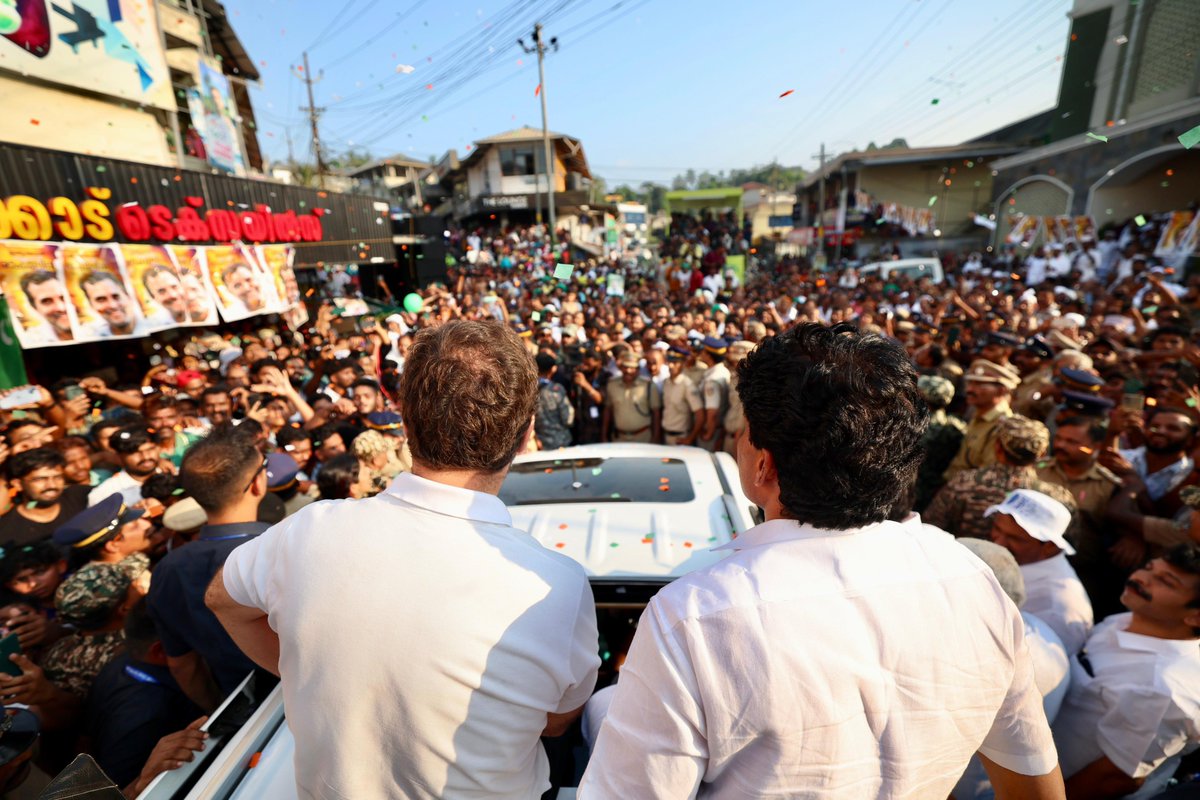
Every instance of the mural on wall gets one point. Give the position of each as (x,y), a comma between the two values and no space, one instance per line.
(108,46)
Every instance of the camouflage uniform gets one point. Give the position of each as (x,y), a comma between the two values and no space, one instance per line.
(554,416)
(74,661)
(960,505)
(88,600)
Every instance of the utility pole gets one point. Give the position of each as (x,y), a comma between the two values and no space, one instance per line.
(541,46)
(314,114)
(821,202)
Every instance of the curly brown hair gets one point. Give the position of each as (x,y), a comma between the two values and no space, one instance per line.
(468,394)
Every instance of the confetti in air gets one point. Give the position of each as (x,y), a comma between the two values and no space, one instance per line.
(1097,137)
(785,94)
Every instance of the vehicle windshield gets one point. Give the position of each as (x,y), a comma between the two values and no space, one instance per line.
(592,480)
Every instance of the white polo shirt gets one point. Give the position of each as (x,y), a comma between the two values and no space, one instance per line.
(823,664)
(1055,595)
(423,640)
(1140,706)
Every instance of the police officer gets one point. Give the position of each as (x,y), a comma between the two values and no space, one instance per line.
(391,425)
(941,440)
(1079,391)
(960,506)
(633,411)
(682,407)
(1033,362)
(554,417)
(714,390)
(108,532)
(735,420)
(998,347)
(1078,442)
(989,387)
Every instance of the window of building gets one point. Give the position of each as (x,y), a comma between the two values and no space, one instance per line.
(519,161)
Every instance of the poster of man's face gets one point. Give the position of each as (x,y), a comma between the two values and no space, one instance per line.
(99,291)
(238,281)
(156,282)
(198,295)
(33,283)
(276,262)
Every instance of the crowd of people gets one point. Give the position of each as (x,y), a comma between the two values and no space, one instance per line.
(1061,389)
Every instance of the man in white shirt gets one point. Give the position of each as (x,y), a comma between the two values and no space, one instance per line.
(1051,666)
(1059,265)
(1035,268)
(140,458)
(832,653)
(1032,526)
(1134,705)
(424,643)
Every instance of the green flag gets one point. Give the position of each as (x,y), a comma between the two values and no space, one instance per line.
(12,364)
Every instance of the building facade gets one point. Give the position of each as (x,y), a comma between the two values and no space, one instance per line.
(1110,149)
(155,81)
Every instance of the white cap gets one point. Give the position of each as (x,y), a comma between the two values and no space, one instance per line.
(1070,320)
(1041,516)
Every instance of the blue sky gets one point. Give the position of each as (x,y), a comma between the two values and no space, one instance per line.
(653,87)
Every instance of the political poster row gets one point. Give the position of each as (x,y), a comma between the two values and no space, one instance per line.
(62,293)
(1054,229)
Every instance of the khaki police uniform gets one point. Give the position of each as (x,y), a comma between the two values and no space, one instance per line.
(632,406)
(714,390)
(681,404)
(978,448)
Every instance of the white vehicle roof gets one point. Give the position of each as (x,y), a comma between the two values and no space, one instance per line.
(616,538)
(903,263)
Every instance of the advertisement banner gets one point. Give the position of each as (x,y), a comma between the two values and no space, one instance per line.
(215,118)
(100,291)
(237,282)
(72,293)
(738,265)
(1173,234)
(113,48)
(197,290)
(1024,230)
(276,261)
(33,283)
(1059,230)
(1085,228)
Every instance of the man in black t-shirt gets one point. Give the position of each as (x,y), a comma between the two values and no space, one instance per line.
(44,501)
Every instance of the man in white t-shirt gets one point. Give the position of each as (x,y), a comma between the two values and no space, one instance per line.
(1032,526)
(424,643)
(832,653)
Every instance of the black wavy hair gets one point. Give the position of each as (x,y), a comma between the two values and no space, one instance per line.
(1186,558)
(840,413)
(337,476)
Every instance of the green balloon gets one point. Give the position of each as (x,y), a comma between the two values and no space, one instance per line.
(413,303)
